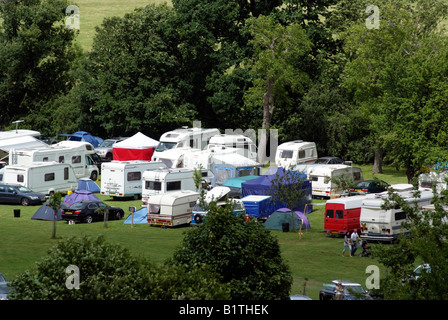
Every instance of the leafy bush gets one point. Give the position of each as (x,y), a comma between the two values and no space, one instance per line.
(245,254)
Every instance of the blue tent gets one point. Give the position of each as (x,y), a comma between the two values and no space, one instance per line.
(45,212)
(88,184)
(262,185)
(283,215)
(83,136)
(139,217)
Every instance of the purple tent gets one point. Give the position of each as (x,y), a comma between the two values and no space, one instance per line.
(79,195)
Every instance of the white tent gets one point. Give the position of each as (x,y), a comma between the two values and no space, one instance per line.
(137,147)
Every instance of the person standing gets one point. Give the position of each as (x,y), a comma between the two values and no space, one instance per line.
(347,244)
(354,237)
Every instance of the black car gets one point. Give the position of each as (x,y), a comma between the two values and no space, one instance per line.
(17,194)
(89,211)
(369,186)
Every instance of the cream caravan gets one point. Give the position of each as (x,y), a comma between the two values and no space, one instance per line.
(171,209)
(295,152)
(120,179)
(43,177)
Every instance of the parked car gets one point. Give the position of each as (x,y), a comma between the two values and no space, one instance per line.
(329,160)
(17,194)
(369,186)
(90,211)
(351,291)
(4,288)
(104,150)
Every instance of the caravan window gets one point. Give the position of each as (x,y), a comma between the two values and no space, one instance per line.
(242,172)
(301,154)
(61,159)
(153,185)
(20,178)
(76,159)
(49,176)
(134,176)
(286,154)
(339,214)
(45,159)
(66,173)
(400,216)
(173,185)
(154,209)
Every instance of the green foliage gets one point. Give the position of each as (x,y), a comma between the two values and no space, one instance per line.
(55,204)
(109,272)
(245,255)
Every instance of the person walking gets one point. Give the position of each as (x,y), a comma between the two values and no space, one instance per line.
(347,244)
(354,237)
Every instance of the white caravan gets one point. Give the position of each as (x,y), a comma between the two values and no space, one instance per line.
(437,178)
(76,153)
(324,177)
(195,138)
(171,209)
(170,180)
(244,145)
(295,152)
(43,177)
(121,179)
(378,224)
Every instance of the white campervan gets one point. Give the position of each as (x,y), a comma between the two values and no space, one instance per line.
(77,153)
(378,224)
(195,138)
(323,177)
(43,177)
(243,145)
(170,180)
(295,152)
(120,179)
(171,209)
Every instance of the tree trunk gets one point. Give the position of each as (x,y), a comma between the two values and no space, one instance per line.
(378,161)
(268,110)
(410,173)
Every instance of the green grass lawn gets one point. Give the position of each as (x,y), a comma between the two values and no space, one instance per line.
(314,259)
(92,14)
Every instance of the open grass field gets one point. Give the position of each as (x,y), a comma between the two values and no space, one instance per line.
(92,14)
(314,259)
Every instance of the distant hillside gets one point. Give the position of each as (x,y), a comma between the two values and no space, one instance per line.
(92,13)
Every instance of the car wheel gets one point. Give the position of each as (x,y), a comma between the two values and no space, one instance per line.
(25,201)
(118,215)
(88,219)
(94,176)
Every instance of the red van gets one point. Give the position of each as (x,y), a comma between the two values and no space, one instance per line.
(342,214)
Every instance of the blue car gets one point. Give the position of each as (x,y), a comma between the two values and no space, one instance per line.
(17,194)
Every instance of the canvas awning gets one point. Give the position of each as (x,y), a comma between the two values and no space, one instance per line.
(137,147)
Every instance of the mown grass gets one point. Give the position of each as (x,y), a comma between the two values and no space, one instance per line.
(314,259)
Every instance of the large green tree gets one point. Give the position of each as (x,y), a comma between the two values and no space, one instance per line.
(36,53)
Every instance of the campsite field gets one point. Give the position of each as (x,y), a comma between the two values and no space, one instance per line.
(314,259)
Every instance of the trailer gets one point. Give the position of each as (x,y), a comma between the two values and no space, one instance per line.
(292,153)
(171,209)
(167,180)
(42,177)
(120,179)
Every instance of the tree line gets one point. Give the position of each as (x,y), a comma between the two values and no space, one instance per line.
(315,70)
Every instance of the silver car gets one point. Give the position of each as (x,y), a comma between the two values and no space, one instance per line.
(104,150)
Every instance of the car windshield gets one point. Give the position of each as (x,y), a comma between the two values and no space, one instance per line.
(77,205)
(24,189)
(354,289)
(4,288)
(107,143)
(363,184)
(163,146)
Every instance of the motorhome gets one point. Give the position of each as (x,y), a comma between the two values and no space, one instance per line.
(77,154)
(342,214)
(43,177)
(167,180)
(171,209)
(244,145)
(325,178)
(385,225)
(174,158)
(295,152)
(122,179)
(222,196)
(195,138)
